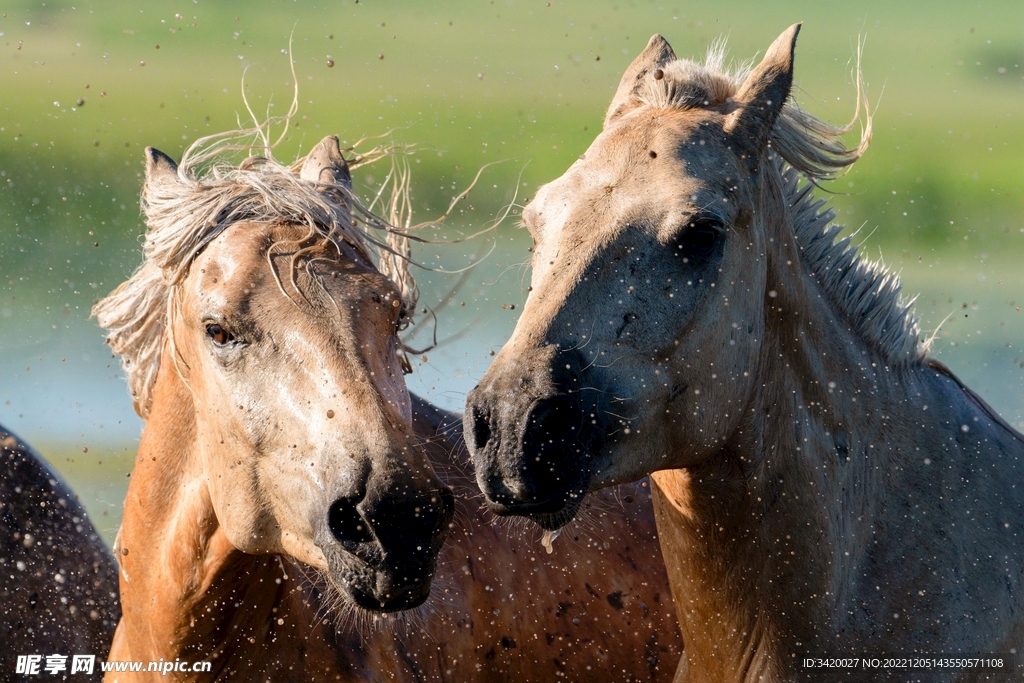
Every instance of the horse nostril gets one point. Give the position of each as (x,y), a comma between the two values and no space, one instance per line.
(345,522)
(552,450)
(495,489)
(481,428)
(553,425)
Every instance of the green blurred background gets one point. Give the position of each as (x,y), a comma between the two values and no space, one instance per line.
(85,86)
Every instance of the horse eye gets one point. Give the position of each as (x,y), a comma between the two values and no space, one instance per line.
(700,238)
(219,335)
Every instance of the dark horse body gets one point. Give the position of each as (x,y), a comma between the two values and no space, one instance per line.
(58,581)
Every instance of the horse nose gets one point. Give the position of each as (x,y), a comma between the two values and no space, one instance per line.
(410,527)
(480,423)
(552,449)
(353,520)
(398,533)
(526,432)
(477,427)
(529,470)
(346,524)
(410,532)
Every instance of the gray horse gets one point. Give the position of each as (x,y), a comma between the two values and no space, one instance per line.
(822,486)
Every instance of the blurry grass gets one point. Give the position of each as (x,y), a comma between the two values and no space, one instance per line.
(477,81)
(87,85)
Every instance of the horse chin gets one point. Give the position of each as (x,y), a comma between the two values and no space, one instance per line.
(360,590)
(368,587)
(367,601)
(548,515)
(555,521)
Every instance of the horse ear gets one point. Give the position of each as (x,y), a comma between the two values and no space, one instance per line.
(159,166)
(657,54)
(324,164)
(763,95)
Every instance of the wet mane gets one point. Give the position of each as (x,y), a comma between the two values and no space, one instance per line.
(866,292)
(208,194)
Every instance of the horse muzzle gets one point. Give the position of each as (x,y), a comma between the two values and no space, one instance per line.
(385,595)
(384,549)
(533,461)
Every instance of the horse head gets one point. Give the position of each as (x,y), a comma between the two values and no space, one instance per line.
(281,363)
(657,266)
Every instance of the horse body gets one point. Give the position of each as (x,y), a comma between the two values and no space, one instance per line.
(864,520)
(821,485)
(284,497)
(58,587)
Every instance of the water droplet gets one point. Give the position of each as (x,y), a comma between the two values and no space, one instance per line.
(548,538)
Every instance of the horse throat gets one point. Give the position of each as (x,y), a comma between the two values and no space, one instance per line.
(753,536)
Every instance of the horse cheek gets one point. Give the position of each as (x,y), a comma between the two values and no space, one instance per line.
(228,443)
(713,370)
(740,331)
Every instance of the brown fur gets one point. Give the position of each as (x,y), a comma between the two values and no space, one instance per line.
(503,609)
(223,553)
(821,485)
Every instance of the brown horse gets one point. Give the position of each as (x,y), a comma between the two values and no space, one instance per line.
(58,591)
(283,499)
(821,485)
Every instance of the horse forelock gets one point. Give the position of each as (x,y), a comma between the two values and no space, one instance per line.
(809,144)
(866,292)
(186,212)
(684,84)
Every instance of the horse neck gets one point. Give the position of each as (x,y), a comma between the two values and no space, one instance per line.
(822,425)
(180,576)
(761,529)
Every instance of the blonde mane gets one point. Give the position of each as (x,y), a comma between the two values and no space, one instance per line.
(186,211)
(866,292)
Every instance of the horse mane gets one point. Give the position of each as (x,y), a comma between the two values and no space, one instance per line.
(186,211)
(867,293)
(801,144)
